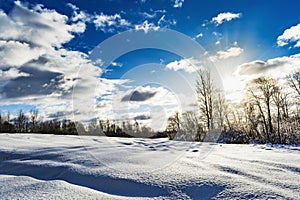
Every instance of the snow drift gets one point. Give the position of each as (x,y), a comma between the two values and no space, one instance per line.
(36,166)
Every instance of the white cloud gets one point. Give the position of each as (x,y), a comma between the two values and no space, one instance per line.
(231,52)
(74,7)
(79,15)
(178,3)
(163,22)
(225,17)
(148,15)
(291,35)
(218,37)
(103,22)
(146,27)
(116,64)
(152,13)
(189,65)
(155,102)
(216,34)
(107,23)
(276,67)
(39,26)
(15,53)
(111,23)
(106,20)
(35,68)
(79,27)
(200,35)
(12,73)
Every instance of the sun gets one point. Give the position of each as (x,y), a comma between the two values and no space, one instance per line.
(233,88)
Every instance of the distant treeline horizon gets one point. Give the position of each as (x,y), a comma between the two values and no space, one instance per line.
(269,113)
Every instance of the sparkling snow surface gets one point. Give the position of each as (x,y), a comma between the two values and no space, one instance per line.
(36,166)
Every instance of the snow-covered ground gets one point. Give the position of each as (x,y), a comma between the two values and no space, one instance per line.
(36,166)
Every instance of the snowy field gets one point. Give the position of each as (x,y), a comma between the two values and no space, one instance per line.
(71,167)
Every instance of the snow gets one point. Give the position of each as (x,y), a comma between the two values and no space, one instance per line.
(37,166)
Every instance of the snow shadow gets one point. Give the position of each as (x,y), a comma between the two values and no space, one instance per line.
(14,164)
(203,191)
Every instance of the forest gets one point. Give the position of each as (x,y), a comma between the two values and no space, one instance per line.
(269,113)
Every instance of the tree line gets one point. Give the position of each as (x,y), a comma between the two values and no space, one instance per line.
(31,122)
(269,113)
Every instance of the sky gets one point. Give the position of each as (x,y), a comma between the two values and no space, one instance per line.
(138,60)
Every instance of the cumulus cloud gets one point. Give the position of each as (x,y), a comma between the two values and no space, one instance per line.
(150,105)
(35,68)
(140,94)
(27,35)
(38,26)
(225,17)
(222,55)
(189,65)
(136,96)
(277,67)
(37,83)
(291,35)
(16,53)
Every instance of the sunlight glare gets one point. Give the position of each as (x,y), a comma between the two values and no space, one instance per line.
(233,88)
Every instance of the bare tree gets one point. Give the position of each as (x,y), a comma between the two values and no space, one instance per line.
(173,125)
(191,129)
(93,127)
(294,83)
(279,99)
(251,122)
(294,80)
(21,121)
(220,109)
(262,91)
(227,116)
(8,116)
(173,122)
(33,119)
(205,89)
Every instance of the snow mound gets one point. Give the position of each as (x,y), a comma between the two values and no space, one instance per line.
(36,166)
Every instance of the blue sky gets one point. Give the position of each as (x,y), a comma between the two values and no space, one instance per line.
(45,48)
